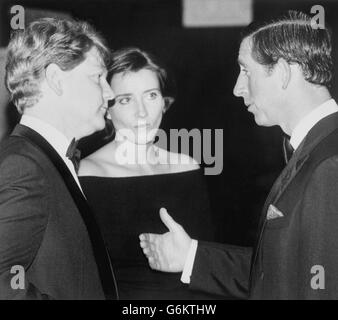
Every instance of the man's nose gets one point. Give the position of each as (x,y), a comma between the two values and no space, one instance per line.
(240,87)
(107,91)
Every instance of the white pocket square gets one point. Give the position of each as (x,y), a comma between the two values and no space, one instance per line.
(273,213)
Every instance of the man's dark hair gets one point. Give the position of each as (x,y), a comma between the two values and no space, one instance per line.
(293,38)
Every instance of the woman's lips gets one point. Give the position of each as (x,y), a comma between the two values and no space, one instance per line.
(141,126)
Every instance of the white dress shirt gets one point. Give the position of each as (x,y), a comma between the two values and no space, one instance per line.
(297,136)
(54,137)
(306,124)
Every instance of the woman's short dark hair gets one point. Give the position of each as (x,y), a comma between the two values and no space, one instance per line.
(294,38)
(133,59)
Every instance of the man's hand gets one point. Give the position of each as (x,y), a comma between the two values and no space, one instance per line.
(166,252)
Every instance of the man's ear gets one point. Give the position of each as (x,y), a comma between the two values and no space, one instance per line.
(54,78)
(285,72)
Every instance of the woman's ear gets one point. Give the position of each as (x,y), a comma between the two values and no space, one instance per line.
(285,72)
(53,75)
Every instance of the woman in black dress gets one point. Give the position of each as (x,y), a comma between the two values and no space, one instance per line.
(129,179)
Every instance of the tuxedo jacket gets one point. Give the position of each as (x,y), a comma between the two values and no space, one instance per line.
(46,227)
(296,251)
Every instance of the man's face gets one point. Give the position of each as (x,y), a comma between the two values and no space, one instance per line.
(86,94)
(257,87)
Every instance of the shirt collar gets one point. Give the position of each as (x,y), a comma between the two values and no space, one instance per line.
(306,124)
(54,137)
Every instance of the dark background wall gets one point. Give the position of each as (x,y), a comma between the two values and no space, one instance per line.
(203,61)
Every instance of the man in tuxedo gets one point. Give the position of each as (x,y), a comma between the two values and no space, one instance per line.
(50,246)
(285,71)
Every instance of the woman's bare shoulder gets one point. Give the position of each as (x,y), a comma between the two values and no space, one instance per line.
(90,166)
(102,163)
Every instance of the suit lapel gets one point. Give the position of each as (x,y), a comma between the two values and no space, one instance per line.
(321,130)
(290,171)
(99,249)
(36,139)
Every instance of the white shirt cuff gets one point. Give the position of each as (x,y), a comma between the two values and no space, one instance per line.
(189,262)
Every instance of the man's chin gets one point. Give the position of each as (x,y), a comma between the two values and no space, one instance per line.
(263,123)
(259,121)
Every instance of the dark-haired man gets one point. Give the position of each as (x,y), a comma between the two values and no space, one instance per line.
(50,246)
(285,71)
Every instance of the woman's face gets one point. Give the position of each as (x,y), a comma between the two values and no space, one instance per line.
(138,108)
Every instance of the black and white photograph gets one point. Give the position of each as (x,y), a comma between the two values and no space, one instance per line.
(168,150)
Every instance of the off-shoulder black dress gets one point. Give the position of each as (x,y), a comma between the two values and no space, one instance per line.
(128,206)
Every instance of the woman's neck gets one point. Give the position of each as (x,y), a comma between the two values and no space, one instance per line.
(129,152)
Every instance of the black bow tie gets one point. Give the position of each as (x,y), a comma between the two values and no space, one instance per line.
(287,149)
(74,154)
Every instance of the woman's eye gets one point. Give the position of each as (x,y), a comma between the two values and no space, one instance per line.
(123,101)
(153,95)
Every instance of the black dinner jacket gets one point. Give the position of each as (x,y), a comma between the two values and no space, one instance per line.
(291,245)
(47,227)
